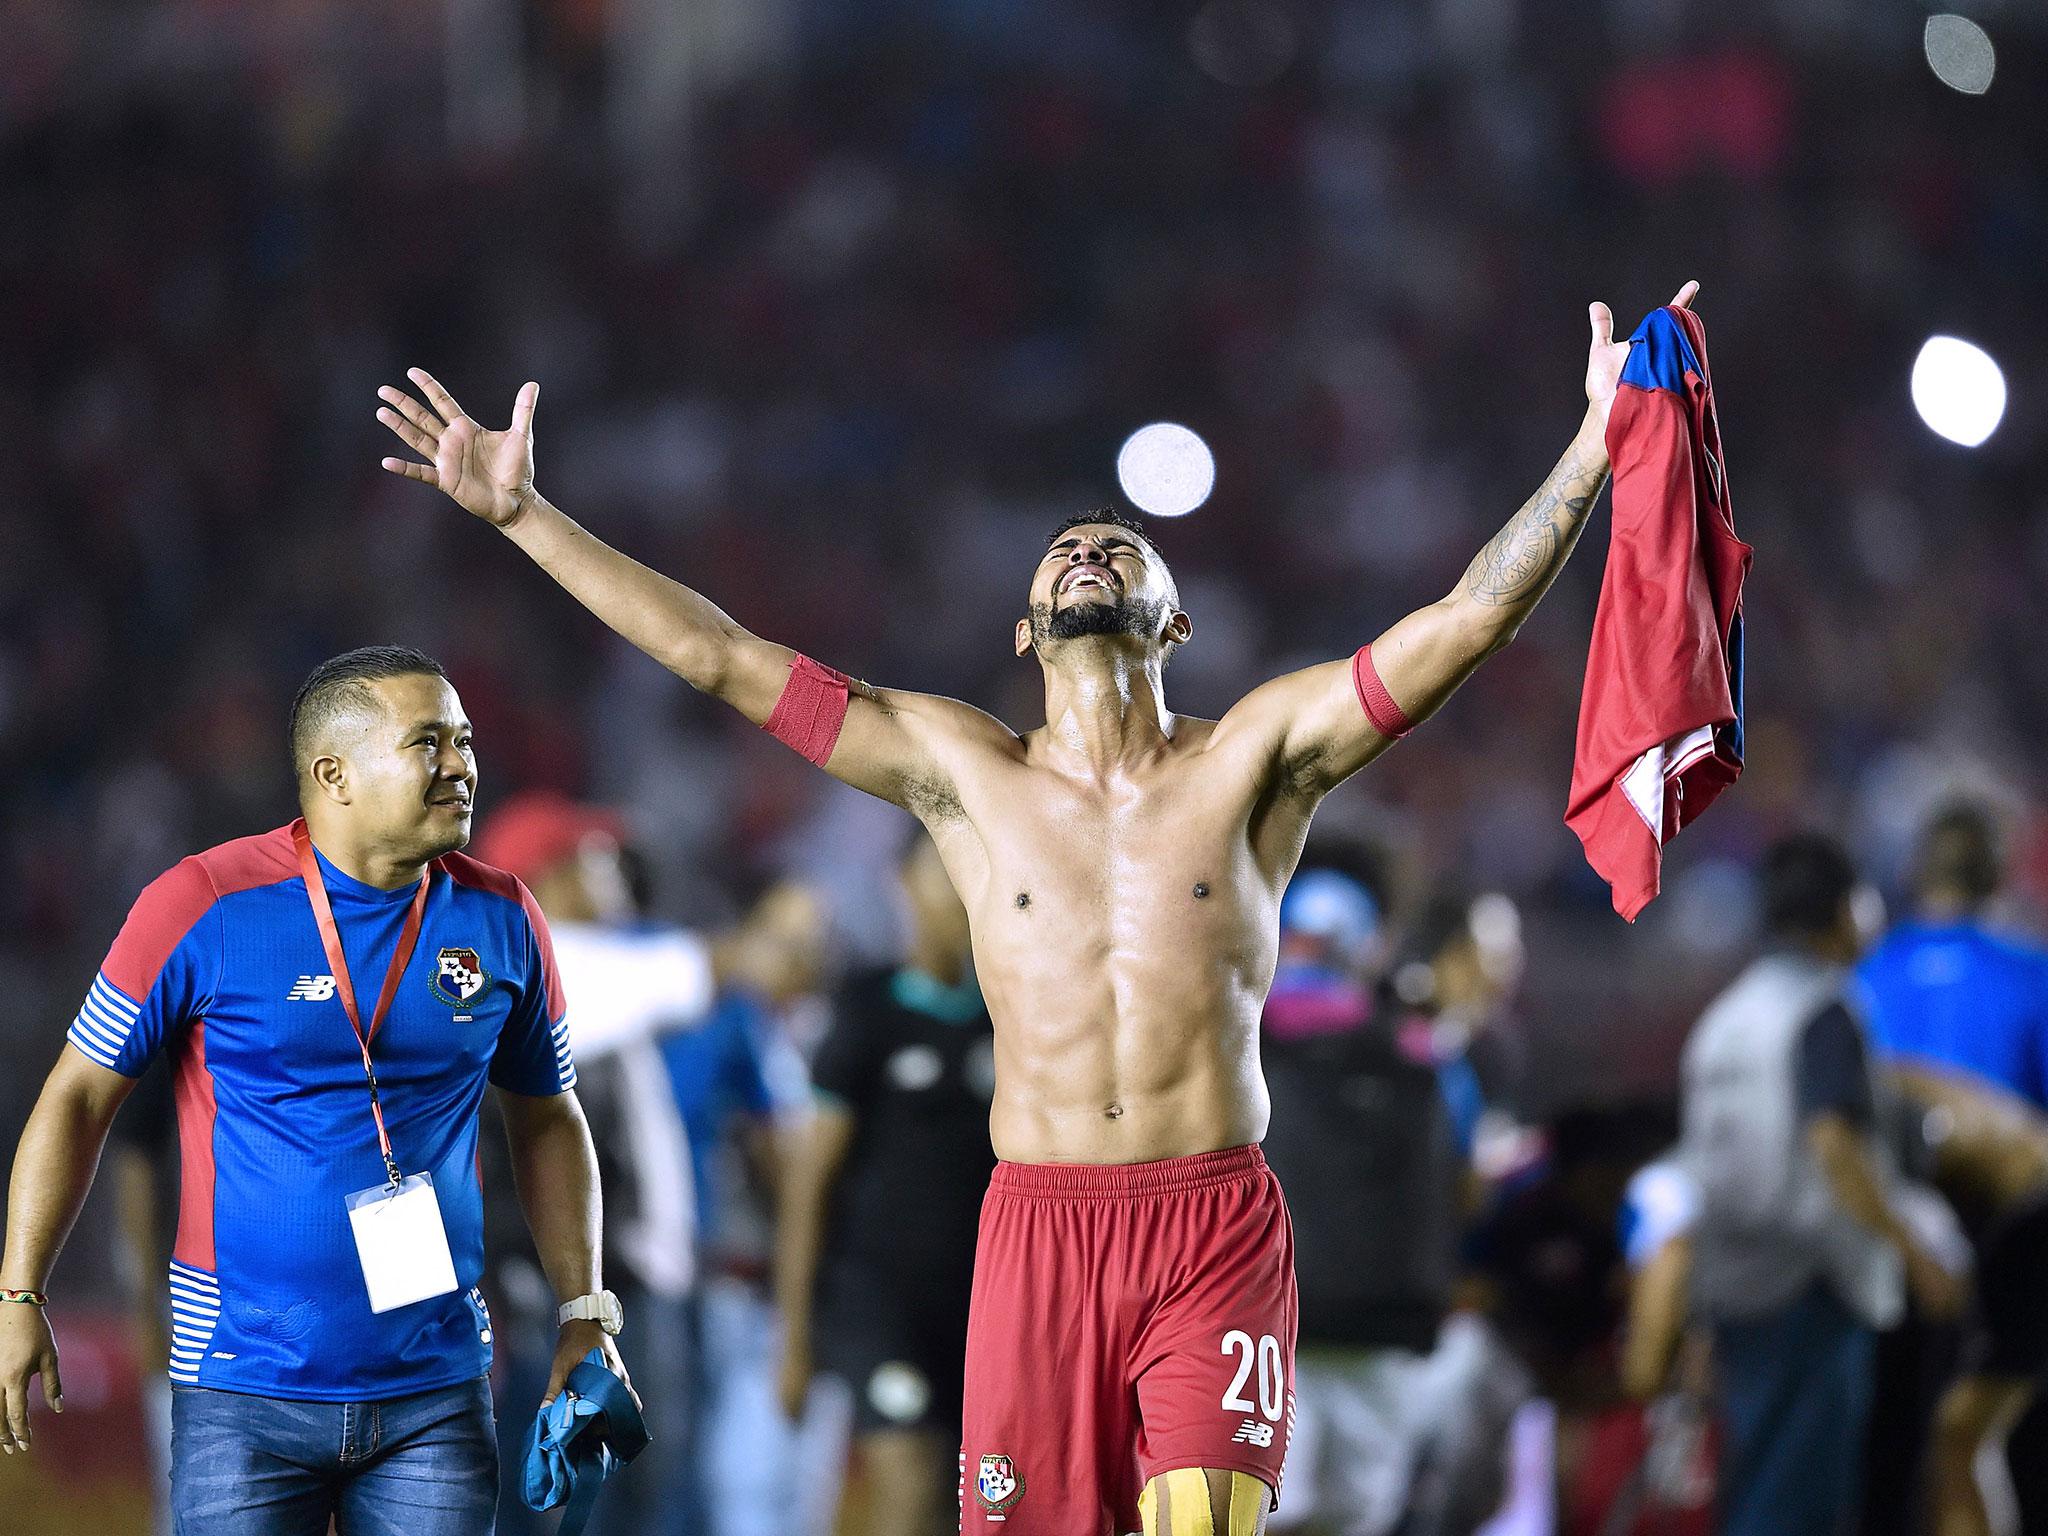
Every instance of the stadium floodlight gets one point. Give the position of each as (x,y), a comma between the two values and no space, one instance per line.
(1960,53)
(1165,469)
(1958,390)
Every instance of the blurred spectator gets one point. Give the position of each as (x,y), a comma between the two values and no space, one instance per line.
(1548,1274)
(1665,1362)
(1800,1253)
(744,1095)
(633,981)
(1989,1154)
(1945,986)
(1949,987)
(881,1206)
(1400,1422)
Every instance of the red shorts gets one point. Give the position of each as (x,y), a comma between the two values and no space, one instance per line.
(1127,1321)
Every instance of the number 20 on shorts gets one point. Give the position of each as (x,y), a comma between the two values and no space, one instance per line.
(1265,1357)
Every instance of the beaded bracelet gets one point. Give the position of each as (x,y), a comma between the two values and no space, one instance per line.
(27,1298)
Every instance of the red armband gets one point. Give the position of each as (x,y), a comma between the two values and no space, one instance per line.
(1380,708)
(811,710)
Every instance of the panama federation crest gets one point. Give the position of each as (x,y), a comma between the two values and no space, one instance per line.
(998,1486)
(459,976)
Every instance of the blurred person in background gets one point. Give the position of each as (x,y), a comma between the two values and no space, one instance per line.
(1371,1137)
(1547,1272)
(1986,1150)
(323,1365)
(1088,852)
(743,1091)
(875,1242)
(1666,1361)
(634,980)
(1946,986)
(1454,981)
(1801,1252)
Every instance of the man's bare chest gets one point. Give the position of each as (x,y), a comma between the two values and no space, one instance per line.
(1178,834)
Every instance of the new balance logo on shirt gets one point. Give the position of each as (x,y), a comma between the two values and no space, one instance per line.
(311,989)
(1252,1432)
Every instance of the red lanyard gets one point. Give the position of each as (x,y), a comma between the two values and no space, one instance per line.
(337,962)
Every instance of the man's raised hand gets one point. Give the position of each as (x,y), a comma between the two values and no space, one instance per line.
(1604,362)
(488,473)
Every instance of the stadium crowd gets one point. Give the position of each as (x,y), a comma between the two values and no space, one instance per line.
(837,346)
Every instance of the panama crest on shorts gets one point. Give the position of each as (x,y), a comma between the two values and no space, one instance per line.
(997,1486)
(459,976)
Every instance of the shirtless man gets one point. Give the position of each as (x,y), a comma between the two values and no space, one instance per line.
(1132,1332)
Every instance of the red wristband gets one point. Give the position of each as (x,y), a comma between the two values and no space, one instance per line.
(1379,705)
(27,1298)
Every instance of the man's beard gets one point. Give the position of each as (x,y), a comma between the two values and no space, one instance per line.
(1125,616)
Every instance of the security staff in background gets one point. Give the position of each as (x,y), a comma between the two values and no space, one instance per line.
(875,1254)
(334,996)
(1801,1252)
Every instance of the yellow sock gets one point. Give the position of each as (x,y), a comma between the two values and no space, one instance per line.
(1187,1504)
(1247,1502)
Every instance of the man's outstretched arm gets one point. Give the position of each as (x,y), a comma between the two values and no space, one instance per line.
(1314,717)
(891,744)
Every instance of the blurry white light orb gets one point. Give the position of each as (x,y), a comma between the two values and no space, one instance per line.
(1165,469)
(1958,390)
(1960,53)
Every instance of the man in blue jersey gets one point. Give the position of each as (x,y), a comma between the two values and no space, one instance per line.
(1945,987)
(334,996)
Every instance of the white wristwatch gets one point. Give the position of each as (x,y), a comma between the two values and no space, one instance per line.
(602,1307)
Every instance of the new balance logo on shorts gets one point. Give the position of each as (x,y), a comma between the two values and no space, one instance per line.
(1252,1432)
(311,989)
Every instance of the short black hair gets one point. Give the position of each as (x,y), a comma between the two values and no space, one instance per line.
(1960,851)
(1806,879)
(338,683)
(1114,519)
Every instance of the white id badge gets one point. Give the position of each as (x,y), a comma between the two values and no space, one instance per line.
(401,1242)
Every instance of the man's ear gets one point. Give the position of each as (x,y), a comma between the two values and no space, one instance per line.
(1023,637)
(329,776)
(1179,627)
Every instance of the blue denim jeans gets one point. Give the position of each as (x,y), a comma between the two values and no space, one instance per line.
(425,1465)
(1795,1400)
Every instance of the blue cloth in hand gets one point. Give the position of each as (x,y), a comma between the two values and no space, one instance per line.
(589,1431)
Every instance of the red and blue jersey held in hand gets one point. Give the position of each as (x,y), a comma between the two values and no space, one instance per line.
(1660,722)
(221,964)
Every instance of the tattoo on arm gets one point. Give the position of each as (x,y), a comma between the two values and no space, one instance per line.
(1519,561)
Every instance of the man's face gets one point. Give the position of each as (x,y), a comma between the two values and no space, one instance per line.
(410,767)
(1096,579)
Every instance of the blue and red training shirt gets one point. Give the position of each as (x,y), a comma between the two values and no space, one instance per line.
(220,962)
